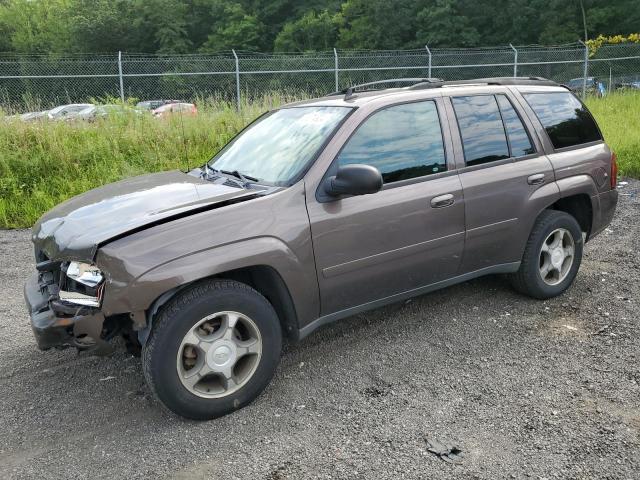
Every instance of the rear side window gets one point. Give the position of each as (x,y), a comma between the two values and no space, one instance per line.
(519,140)
(403,142)
(481,128)
(566,120)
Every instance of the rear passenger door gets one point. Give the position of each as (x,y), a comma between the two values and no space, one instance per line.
(501,167)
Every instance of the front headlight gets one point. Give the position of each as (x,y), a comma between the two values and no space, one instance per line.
(84,273)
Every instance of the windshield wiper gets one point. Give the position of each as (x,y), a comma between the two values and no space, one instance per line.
(237,174)
(241,180)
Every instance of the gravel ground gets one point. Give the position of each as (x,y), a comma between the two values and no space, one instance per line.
(524,388)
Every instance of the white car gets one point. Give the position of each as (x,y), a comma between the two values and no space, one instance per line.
(95,112)
(68,112)
(33,116)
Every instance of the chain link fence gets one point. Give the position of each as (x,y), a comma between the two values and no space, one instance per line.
(33,82)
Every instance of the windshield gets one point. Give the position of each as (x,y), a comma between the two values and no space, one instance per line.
(279,145)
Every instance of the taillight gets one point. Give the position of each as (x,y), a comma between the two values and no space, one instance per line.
(614,170)
(194,110)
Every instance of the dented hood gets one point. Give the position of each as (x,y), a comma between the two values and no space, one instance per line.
(76,228)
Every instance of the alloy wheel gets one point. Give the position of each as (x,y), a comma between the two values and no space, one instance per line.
(219,354)
(556,256)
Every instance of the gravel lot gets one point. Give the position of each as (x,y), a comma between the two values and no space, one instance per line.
(524,388)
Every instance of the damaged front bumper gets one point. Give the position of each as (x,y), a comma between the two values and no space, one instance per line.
(58,324)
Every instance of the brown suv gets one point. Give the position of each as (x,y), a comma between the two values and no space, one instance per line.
(316,211)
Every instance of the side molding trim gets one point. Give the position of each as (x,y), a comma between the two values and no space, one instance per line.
(398,297)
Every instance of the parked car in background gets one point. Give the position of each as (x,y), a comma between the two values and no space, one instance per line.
(96,112)
(62,112)
(171,108)
(628,86)
(594,86)
(67,112)
(317,211)
(33,116)
(153,104)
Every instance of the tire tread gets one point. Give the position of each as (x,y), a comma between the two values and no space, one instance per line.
(173,308)
(521,280)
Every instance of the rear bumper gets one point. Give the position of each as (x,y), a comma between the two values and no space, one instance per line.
(603,215)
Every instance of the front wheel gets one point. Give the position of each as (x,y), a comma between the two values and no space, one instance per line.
(212,349)
(552,256)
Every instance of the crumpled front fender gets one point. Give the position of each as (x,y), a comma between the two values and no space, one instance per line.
(138,294)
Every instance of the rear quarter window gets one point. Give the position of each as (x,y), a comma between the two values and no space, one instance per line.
(566,120)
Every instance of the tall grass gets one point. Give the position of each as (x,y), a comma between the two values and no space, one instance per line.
(42,164)
(618,115)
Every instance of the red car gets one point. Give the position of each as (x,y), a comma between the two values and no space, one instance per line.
(171,108)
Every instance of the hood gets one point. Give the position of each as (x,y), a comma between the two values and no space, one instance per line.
(76,228)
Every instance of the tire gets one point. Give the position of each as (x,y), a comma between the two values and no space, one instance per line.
(529,280)
(165,354)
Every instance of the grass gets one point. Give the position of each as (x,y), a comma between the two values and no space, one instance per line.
(618,115)
(42,164)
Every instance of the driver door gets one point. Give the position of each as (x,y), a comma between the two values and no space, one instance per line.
(406,236)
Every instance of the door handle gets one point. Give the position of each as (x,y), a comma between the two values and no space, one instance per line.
(536,179)
(442,201)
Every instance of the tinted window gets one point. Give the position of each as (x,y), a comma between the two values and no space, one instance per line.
(404,141)
(565,119)
(483,137)
(519,140)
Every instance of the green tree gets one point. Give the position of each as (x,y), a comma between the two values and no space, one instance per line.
(503,21)
(274,14)
(233,28)
(311,32)
(441,24)
(37,26)
(160,26)
(561,22)
(200,18)
(612,17)
(377,24)
(101,26)
(185,26)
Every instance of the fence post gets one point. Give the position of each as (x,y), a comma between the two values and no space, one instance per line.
(237,79)
(429,53)
(585,73)
(610,77)
(515,60)
(120,75)
(335,57)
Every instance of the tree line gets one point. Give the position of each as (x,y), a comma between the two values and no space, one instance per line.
(195,26)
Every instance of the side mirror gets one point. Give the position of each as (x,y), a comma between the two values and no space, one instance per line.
(355,179)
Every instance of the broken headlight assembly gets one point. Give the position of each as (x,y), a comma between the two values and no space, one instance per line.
(82,285)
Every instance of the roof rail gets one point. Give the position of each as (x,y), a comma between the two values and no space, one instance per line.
(424,83)
(349,91)
(506,81)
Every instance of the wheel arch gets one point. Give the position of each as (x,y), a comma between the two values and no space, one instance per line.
(580,207)
(264,263)
(579,198)
(268,282)
(265,279)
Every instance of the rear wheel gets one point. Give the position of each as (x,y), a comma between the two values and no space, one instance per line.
(552,256)
(212,349)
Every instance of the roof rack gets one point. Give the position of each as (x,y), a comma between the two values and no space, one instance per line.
(425,83)
(544,82)
(349,91)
